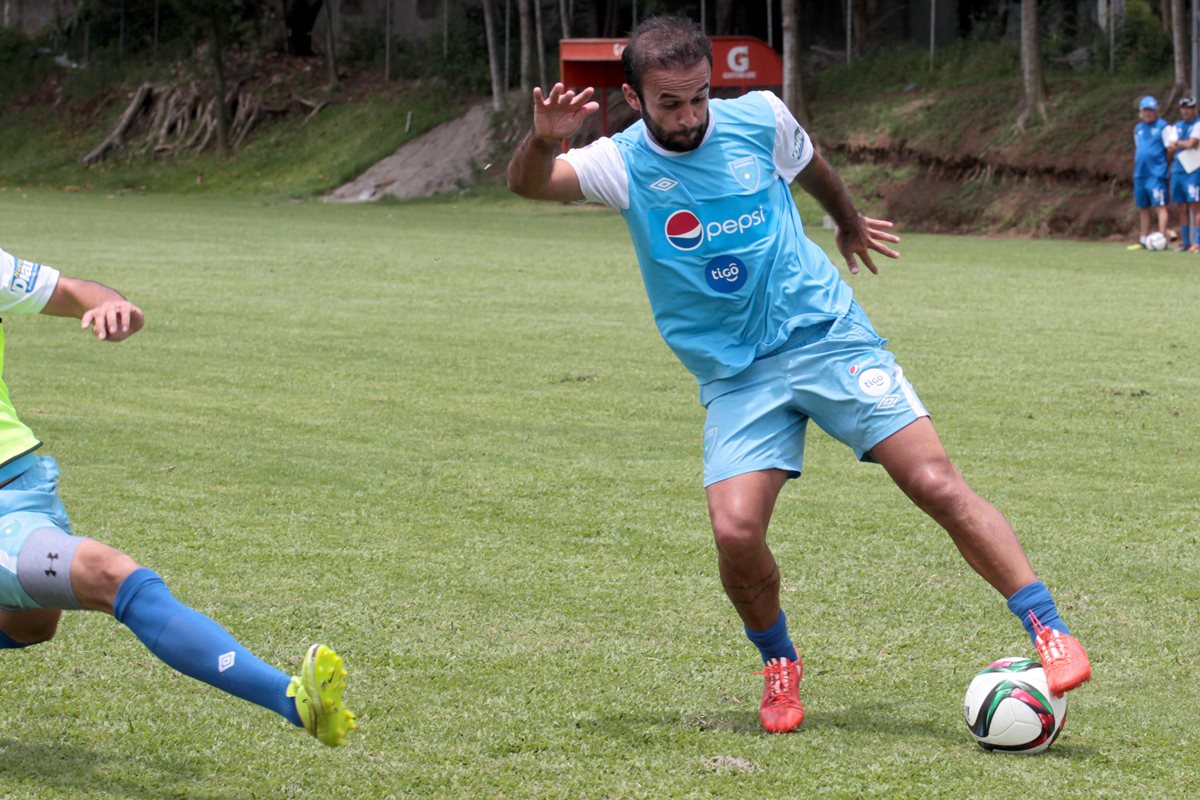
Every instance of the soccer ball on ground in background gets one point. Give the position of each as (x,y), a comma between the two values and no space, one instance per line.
(1156,242)
(1009,708)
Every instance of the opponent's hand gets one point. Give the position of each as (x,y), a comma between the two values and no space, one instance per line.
(869,235)
(561,113)
(113,320)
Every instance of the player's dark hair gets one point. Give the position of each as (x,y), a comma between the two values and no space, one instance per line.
(663,43)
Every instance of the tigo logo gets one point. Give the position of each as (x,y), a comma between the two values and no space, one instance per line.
(684,230)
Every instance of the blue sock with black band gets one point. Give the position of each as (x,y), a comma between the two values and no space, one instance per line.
(774,642)
(190,642)
(1036,598)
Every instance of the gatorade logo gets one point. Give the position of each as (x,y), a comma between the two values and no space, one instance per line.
(684,230)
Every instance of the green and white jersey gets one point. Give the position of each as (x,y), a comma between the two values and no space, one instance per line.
(25,288)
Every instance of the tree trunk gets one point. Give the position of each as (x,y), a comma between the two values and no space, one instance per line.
(331,41)
(539,42)
(793,87)
(1031,65)
(1179,40)
(489,30)
(724,17)
(525,25)
(216,43)
(565,16)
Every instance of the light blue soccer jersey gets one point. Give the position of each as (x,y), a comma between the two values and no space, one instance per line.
(726,264)
(1150,154)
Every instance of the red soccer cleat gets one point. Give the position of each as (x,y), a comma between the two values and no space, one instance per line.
(781,709)
(1064,660)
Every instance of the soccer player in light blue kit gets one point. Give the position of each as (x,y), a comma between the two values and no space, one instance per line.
(1149,169)
(765,323)
(45,568)
(1185,186)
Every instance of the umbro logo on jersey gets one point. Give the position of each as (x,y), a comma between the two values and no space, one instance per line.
(664,184)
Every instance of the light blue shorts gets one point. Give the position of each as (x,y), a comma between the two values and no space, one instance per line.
(846,382)
(28,503)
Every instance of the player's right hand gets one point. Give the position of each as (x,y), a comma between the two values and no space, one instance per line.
(561,113)
(113,320)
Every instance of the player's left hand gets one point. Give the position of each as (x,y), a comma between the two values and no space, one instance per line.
(869,234)
(113,320)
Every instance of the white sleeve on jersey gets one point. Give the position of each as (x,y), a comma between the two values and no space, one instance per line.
(793,148)
(25,287)
(601,171)
(1169,136)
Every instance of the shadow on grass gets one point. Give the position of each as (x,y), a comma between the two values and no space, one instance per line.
(66,769)
(899,722)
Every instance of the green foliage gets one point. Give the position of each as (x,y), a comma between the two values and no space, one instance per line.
(1142,46)
(462,66)
(21,65)
(461,411)
(280,159)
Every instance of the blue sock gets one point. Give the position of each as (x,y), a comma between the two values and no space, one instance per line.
(192,643)
(6,643)
(1036,598)
(1185,235)
(774,642)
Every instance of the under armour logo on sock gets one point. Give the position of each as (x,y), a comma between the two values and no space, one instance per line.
(225,661)
(51,558)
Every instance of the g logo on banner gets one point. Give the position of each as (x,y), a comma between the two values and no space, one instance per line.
(738,58)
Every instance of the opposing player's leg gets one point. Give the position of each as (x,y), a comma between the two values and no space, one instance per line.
(917,462)
(104,579)
(740,509)
(55,570)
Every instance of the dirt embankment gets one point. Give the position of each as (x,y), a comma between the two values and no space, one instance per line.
(953,162)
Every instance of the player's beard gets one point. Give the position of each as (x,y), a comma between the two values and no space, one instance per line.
(683,141)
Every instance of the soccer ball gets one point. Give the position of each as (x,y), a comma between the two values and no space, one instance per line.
(1156,242)
(1009,708)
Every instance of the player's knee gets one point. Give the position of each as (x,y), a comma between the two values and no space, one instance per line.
(97,574)
(736,533)
(938,488)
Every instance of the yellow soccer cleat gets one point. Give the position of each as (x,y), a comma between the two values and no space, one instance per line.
(317,691)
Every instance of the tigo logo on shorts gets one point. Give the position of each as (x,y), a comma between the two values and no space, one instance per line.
(875,382)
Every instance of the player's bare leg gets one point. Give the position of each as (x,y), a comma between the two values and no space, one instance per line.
(916,460)
(740,509)
(918,463)
(30,627)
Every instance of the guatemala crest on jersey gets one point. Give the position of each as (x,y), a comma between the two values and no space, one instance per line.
(745,172)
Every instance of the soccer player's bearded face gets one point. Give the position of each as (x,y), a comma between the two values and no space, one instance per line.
(674,105)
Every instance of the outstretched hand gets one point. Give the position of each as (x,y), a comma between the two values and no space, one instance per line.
(113,320)
(561,113)
(869,234)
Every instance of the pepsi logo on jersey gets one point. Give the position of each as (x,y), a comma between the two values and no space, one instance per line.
(685,231)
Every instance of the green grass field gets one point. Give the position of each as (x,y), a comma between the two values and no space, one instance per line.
(445,438)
